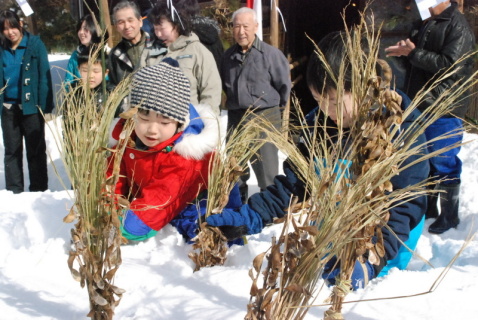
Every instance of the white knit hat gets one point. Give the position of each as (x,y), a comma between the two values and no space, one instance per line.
(163,88)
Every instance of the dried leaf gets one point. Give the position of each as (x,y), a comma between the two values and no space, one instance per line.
(98,299)
(70,217)
(254,289)
(257,263)
(268,298)
(294,287)
(128,114)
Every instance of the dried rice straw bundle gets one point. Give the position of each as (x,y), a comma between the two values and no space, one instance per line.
(349,193)
(227,165)
(95,255)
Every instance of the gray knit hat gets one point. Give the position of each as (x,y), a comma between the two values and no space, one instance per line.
(163,88)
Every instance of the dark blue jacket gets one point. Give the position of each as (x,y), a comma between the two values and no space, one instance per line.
(36,82)
(270,203)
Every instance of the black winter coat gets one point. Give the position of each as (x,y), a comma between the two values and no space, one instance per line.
(270,203)
(207,31)
(440,42)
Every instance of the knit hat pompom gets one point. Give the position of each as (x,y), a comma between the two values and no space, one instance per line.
(163,88)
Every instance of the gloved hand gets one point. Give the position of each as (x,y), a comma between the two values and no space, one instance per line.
(132,228)
(187,221)
(235,224)
(133,225)
(361,275)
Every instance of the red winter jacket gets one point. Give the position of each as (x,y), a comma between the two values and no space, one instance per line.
(159,184)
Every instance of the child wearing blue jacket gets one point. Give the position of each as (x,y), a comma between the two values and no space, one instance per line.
(406,219)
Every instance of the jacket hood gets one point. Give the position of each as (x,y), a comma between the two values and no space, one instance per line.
(201,136)
(183,41)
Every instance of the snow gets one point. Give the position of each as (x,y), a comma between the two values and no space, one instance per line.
(35,282)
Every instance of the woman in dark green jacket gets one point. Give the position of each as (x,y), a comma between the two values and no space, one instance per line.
(25,74)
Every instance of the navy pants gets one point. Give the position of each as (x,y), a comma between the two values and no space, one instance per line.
(446,165)
(15,127)
(265,162)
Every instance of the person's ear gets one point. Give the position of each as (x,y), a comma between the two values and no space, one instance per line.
(21,23)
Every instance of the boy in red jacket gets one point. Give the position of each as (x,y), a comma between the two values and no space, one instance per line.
(173,142)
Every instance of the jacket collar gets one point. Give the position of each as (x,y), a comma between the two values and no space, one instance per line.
(122,47)
(448,12)
(240,56)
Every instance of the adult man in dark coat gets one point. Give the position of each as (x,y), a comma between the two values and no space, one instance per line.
(432,49)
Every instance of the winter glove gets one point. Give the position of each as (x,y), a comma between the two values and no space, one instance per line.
(362,273)
(132,228)
(235,224)
(133,225)
(187,221)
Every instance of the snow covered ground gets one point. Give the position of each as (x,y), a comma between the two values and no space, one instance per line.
(35,282)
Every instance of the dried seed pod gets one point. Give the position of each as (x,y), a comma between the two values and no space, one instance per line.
(376,152)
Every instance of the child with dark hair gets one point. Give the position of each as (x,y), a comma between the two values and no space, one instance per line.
(90,68)
(172,25)
(164,169)
(406,219)
(88,36)
(88,90)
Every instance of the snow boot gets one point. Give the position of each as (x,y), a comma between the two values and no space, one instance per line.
(432,204)
(244,191)
(449,202)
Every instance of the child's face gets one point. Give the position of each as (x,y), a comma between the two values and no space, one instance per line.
(153,128)
(166,31)
(328,104)
(95,75)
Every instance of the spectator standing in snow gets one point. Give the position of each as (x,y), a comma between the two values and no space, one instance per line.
(255,77)
(25,71)
(434,46)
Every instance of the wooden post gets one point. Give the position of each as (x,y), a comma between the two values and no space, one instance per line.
(274,40)
(274,24)
(32,25)
(107,21)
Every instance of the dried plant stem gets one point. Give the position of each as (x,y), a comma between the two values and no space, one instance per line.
(95,255)
(225,168)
